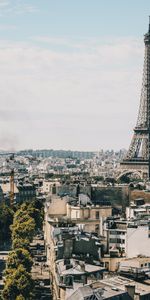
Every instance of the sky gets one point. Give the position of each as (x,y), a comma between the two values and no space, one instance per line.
(70,72)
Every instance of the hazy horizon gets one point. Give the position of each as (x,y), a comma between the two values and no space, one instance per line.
(11,150)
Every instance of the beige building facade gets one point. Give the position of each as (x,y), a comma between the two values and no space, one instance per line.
(88,218)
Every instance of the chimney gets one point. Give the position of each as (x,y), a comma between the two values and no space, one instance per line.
(130,290)
(82,265)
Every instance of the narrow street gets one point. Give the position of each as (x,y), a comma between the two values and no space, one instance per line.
(40,270)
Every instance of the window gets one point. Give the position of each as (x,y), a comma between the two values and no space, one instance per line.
(78,279)
(97,215)
(122,233)
(77,215)
(68,280)
(113,232)
(117,241)
(120,241)
(97,228)
(113,240)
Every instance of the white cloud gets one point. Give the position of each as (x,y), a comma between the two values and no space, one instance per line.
(16,7)
(82,96)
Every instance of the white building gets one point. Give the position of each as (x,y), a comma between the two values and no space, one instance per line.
(138,241)
(134,211)
(130,238)
(117,239)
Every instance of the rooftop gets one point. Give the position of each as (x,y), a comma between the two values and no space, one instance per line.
(76,267)
(118,283)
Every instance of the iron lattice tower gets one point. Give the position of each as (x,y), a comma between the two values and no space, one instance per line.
(138,155)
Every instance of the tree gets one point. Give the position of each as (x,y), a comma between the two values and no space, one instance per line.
(38,203)
(98,178)
(6,219)
(24,230)
(110,180)
(20,297)
(19,256)
(21,216)
(124,179)
(36,214)
(21,243)
(33,210)
(18,284)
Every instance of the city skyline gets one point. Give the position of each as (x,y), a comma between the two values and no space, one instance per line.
(71,73)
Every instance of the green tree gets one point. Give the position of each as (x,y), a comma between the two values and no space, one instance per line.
(24,230)
(124,179)
(17,257)
(20,297)
(6,219)
(33,210)
(21,216)
(21,243)
(38,203)
(18,284)
(36,214)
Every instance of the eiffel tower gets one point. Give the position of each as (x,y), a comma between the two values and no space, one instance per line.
(138,154)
